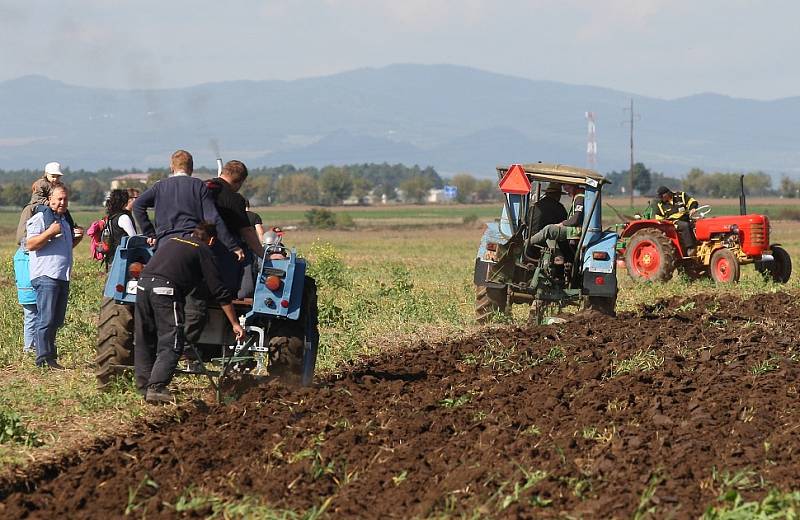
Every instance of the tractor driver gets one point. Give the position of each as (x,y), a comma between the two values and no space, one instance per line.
(678,207)
(548,210)
(568,229)
(180,265)
(231,207)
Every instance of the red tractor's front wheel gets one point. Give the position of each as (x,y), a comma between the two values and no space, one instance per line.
(779,270)
(724,266)
(650,256)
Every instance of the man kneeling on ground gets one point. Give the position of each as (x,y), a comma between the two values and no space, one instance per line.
(179,265)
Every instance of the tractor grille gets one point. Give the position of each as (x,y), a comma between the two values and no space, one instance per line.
(759,234)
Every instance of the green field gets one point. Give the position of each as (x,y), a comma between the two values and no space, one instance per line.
(404,273)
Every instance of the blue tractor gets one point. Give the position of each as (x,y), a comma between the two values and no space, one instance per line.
(280,320)
(509,269)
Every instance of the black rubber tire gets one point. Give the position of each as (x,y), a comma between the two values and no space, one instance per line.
(488,302)
(114,341)
(664,270)
(780,269)
(287,337)
(732,268)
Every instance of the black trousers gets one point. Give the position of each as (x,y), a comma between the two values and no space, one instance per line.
(196,314)
(247,286)
(685,234)
(158,335)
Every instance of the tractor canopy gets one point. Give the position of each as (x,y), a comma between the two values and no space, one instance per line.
(544,172)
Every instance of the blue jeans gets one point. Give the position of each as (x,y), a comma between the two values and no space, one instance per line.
(29,316)
(51,302)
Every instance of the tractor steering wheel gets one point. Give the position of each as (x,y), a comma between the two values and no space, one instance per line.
(701,212)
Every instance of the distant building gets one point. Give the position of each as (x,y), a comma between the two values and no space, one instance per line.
(436,196)
(129,180)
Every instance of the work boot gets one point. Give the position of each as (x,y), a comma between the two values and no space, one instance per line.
(51,364)
(157,395)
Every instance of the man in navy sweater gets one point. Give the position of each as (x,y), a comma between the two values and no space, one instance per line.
(181,202)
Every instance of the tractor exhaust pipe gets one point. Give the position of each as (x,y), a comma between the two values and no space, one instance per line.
(742,199)
(219,166)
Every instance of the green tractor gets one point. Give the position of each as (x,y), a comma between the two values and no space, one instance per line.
(510,269)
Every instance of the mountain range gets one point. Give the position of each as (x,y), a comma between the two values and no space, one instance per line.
(454,118)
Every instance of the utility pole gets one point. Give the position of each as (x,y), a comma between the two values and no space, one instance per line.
(630,173)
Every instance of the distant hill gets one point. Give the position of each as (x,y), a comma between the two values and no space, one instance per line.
(453,118)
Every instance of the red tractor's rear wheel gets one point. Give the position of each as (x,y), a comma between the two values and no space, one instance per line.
(650,256)
(724,266)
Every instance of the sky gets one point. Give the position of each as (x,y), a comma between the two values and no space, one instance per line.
(658,48)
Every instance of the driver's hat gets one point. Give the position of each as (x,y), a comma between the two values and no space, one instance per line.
(663,190)
(553,187)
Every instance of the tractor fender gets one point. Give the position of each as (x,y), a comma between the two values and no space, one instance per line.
(130,250)
(666,227)
(491,235)
(599,266)
(270,303)
(485,258)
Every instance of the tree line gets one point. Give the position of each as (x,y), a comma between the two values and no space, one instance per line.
(369,182)
(699,183)
(330,185)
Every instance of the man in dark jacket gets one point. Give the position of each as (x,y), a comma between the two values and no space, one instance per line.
(179,265)
(569,228)
(231,207)
(548,209)
(181,202)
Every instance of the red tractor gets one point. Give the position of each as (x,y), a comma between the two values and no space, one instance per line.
(652,251)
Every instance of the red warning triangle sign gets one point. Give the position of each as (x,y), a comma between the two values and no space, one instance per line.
(515,181)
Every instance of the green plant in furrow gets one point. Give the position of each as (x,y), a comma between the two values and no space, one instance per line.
(455,402)
(768,365)
(212,505)
(776,505)
(646,508)
(135,502)
(400,477)
(642,361)
(511,492)
(742,480)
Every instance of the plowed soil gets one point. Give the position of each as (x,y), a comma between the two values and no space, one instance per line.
(598,417)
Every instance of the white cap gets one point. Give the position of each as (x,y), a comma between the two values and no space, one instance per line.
(53,168)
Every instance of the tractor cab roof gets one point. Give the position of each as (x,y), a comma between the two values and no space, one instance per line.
(562,173)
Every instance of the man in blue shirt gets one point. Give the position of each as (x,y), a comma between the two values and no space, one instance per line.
(50,266)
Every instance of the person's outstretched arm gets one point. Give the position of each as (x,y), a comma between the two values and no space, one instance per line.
(144,201)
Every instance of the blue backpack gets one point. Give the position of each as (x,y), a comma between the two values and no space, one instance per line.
(25,292)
